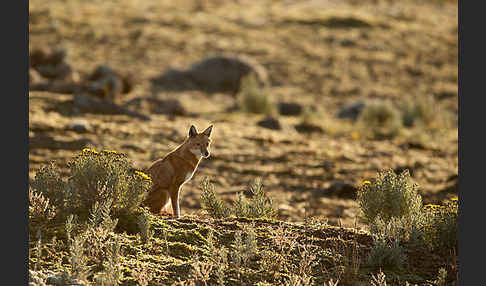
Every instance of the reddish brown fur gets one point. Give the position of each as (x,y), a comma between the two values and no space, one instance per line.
(171,172)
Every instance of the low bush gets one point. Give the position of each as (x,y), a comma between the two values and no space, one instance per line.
(389,196)
(258,206)
(392,207)
(211,203)
(420,110)
(439,225)
(96,177)
(40,209)
(255,99)
(386,255)
(424,112)
(380,119)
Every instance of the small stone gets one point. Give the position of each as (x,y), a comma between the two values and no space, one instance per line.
(270,123)
(351,111)
(305,127)
(80,126)
(289,108)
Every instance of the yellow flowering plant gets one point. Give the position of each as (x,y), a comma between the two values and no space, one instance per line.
(96,177)
(439,226)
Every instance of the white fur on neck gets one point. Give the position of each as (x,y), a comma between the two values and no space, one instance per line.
(196,152)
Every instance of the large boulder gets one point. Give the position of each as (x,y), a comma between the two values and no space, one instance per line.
(216,74)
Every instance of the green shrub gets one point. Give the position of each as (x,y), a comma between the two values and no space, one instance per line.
(258,206)
(255,99)
(96,177)
(99,176)
(380,119)
(403,229)
(40,209)
(439,225)
(425,112)
(441,277)
(49,184)
(379,279)
(392,207)
(389,196)
(419,110)
(144,225)
(244,247)
(211,203)
(386,255)
(77,258)
(112,274)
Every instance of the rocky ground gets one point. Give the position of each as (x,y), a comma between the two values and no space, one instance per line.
(323,54)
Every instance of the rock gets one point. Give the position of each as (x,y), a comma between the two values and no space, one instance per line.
(270,123)
(335,21)
(306,127)
(60,71)
(50,72)
(351,111)
(168,106)
(48,142)
(347,43)
(90,104)
(51,64)
(172,107)
(80,126)
(108,84)
(290,108)
(341,189)
(42,56)
(221,73)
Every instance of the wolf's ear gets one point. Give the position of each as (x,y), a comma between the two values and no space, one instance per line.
(208,130)
(192,131)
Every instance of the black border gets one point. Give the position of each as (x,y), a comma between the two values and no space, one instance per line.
(15,119)
(469,86)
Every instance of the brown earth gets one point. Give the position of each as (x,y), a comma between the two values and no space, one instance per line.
(324,54)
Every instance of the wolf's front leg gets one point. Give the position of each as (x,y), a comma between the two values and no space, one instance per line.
(174,198)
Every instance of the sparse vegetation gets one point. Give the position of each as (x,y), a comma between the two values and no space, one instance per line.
(40,210)
(441,277)
(87,228)
(386,255)
(253,98)
(390,204)
(424,112)
(390,196)
(97,179)
(379,279)
(380,119)
(439,225)
(393,209)
(211,203)
(258,206)
(144,224)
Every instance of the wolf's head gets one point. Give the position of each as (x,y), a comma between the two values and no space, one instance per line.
(198,143)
